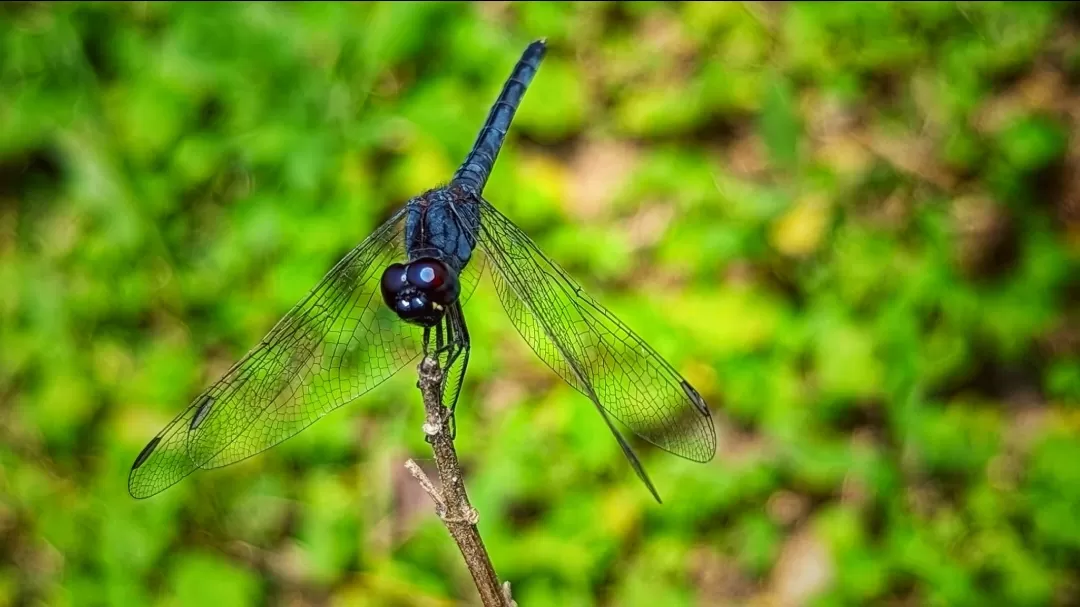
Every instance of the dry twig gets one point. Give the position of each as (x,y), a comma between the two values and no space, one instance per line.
(451,501)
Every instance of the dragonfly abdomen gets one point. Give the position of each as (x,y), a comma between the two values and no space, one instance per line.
(474,172)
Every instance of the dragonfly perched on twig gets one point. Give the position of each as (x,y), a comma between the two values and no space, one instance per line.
(399,294)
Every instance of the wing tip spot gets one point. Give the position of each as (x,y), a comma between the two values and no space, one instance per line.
(695,398)
(206,403)
(145,453)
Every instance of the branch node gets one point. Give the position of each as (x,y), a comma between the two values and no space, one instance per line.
(506,595)
(470,517)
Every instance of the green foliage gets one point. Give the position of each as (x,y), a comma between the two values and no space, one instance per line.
(853,226)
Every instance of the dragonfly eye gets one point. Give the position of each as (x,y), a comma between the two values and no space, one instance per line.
(393,281)
(432,277)
(420,291)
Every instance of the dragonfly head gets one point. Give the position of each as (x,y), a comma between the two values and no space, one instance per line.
(419,292)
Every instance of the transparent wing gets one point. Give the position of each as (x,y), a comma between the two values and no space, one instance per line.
(590,348)
(338,343)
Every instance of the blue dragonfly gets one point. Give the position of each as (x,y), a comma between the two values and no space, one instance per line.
(399,294)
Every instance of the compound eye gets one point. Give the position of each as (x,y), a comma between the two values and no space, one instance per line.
(393,280)
(428,274)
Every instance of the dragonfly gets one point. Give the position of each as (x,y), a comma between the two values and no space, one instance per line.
(399,294)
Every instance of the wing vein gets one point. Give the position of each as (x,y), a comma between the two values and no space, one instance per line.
(590,347)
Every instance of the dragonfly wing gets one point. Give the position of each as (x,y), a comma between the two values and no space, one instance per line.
(590,348)
(338,343)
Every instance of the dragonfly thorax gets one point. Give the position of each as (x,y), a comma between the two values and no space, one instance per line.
(420,291)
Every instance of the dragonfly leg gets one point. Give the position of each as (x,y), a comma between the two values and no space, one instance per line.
(438,339)
(445,326)
(464,344)
(457,362)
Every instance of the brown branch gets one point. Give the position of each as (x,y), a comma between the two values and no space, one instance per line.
(451,502)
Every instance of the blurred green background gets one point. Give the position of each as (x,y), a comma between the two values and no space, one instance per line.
(854,227)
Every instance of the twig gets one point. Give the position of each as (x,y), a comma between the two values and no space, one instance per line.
(451,502)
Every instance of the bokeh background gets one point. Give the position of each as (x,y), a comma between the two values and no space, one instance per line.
(855,227)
